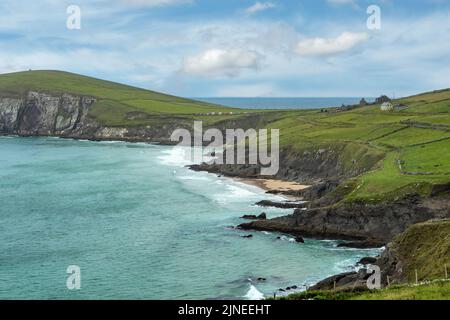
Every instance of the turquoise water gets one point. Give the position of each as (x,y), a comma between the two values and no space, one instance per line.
(284,103)
(140,226)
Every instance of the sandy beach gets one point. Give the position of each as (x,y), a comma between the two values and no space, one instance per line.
(275,185)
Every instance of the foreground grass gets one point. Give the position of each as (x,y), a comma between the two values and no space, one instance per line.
(439,290)
(424,247)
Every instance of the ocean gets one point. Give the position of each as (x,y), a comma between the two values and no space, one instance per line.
(285,103)
(140,225)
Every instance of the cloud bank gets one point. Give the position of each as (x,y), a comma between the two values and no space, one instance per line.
(329,46)
(219,62)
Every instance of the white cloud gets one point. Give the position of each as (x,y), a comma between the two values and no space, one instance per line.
(260,6)
(218,62)
(330,46)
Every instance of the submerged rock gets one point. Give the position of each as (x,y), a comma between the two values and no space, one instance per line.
(299,240)
(262,279)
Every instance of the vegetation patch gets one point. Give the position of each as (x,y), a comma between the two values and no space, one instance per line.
(425,248)
(439,290)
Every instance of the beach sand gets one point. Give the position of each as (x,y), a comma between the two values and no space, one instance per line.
(275,185)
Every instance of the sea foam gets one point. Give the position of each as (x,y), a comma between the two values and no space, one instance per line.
(254,294)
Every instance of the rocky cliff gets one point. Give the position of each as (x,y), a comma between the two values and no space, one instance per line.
(67,115)
(44,115)
(322,166)
(373,225)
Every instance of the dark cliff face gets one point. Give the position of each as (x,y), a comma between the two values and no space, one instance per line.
(67,115)
(307,168)
(322,166)
(44,114)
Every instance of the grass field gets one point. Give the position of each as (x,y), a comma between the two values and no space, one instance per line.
(365,137)
(439,290)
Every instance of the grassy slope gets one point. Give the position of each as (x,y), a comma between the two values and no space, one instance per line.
(424,247)
(115,100)
(439,290)
(365,138)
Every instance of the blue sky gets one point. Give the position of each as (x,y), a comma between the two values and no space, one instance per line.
(207,48)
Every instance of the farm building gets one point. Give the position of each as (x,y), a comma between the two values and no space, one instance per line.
(387,106)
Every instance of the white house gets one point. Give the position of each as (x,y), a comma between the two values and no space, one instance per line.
(387,106)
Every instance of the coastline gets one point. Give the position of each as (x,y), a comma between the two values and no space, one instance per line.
(289,224)
(272,239)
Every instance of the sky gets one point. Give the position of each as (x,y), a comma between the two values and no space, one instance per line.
(236,48)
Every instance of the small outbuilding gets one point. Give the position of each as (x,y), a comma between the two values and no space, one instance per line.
(387,106)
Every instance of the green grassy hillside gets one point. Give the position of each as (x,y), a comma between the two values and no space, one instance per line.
(424,247)
(439,290)
(413,143)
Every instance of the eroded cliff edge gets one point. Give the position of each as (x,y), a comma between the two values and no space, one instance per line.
(368,225)
(68,116)
(42,114)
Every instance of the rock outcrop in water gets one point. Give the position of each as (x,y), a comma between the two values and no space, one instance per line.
(371,224)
